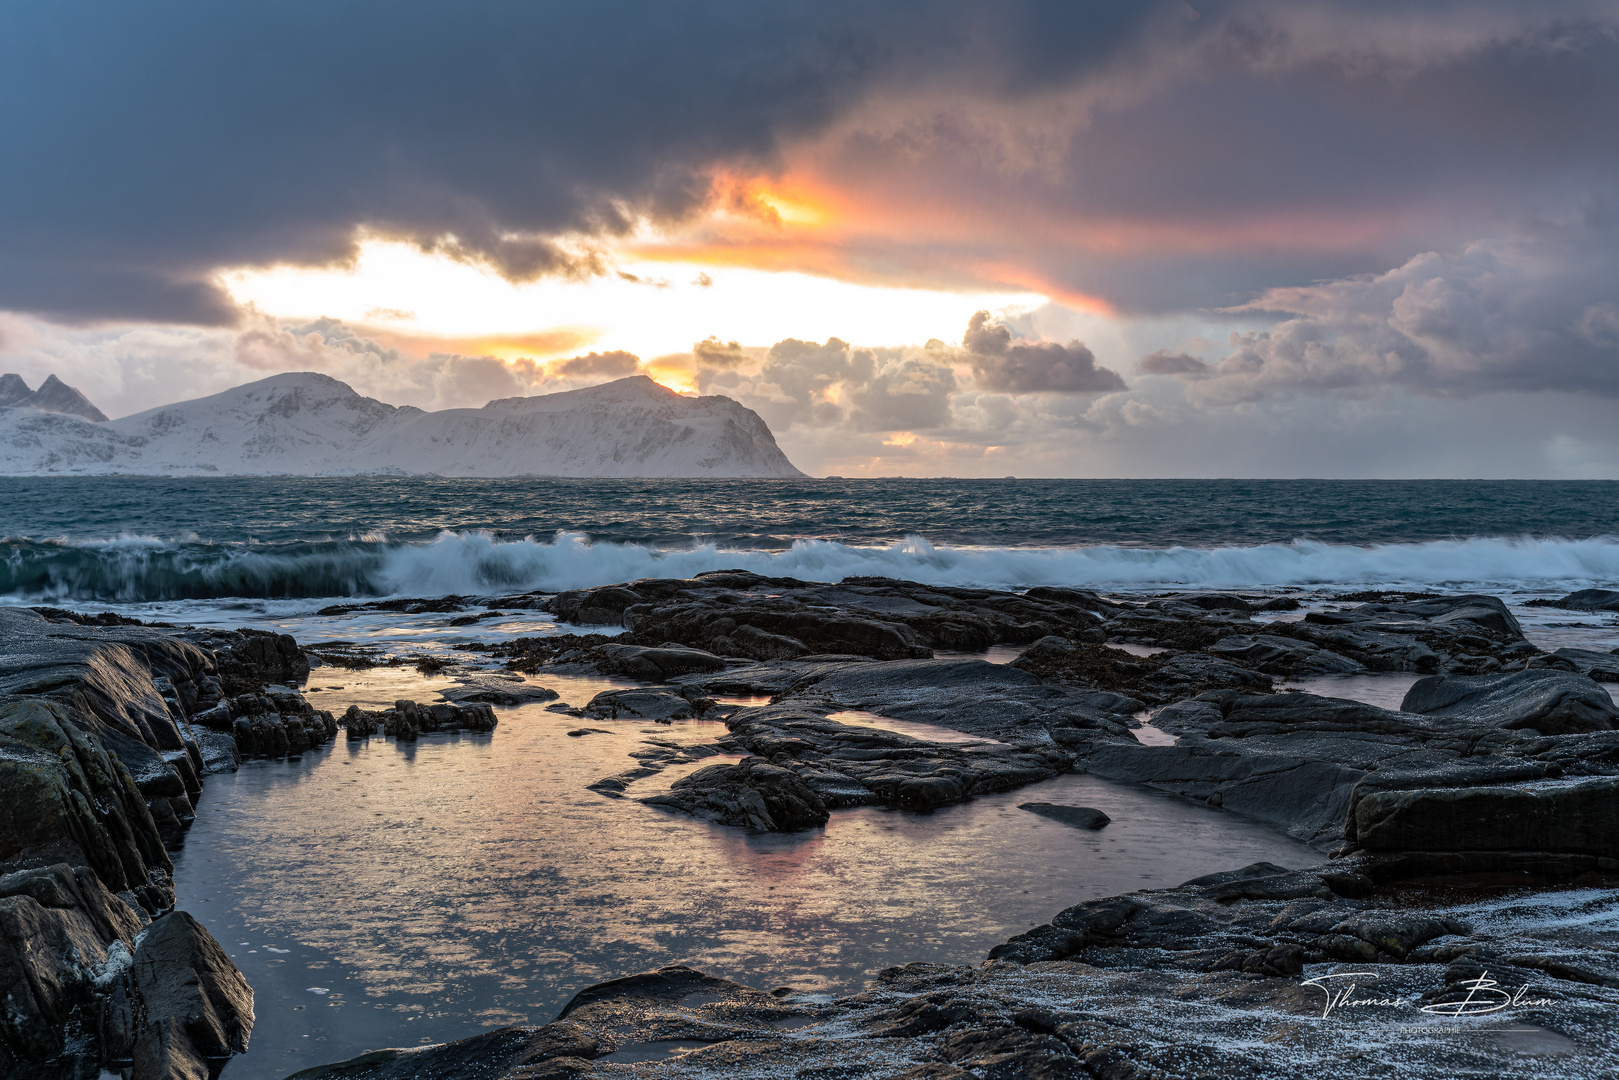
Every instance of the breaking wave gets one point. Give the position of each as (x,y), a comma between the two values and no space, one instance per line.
(134,569)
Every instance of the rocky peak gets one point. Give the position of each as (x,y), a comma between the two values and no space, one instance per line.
(53,395)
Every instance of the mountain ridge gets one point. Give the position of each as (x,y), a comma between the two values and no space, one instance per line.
(307,423)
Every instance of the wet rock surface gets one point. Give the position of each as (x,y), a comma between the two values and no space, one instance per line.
(816,764)
(1500,768)
(107,731)
(1545,700)
(507,690)
(740,614)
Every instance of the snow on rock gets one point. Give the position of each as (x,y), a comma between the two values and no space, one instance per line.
(53,396)
(304,423)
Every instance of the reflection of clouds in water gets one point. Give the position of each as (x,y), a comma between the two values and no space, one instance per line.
(447,873)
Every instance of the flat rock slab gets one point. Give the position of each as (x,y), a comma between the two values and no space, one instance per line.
(1080,817)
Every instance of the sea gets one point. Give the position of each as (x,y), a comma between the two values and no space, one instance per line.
(380,894)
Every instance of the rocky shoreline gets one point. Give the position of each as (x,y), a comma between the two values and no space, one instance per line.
(1472,834)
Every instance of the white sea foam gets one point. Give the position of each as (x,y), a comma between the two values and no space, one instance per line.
(477,563)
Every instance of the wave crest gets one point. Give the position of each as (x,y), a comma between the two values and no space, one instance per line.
(132,569)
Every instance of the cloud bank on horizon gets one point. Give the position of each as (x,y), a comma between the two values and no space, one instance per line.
(1337,238)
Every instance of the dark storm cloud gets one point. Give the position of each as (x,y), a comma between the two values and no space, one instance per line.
(1005,366)
(150,143)
(1261,143)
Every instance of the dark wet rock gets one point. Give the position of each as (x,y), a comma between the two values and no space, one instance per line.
(407,720)
(196,1007)
(656,665)
(1584,600)
(620,1019)
(557,1051)
(577,732)
(553,651)
(736,613)
(164,1000)
(407,606)
(1080,817)
(651,757)
(1307,764)
(1443,635)
(994,700)
(647,704)
(65,797)
(853,765)
(501,690)
(1572,816)
(108,729)
(1187,674)
(249,660)
(751,793)
(1152,679)
(1276,655)
(1601,666)
(276,723)
(1551,702)
(1428,634)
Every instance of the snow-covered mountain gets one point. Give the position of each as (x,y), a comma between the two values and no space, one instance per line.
(53,395)
(304,423)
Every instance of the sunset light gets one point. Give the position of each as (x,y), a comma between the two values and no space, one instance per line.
(647,308)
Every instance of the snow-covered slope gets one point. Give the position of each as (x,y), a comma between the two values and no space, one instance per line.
(304,423)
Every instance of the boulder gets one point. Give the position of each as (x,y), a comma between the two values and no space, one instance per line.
(648,704)
(1549,701)
(198,1008)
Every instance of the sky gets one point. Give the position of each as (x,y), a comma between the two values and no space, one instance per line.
(1301,238)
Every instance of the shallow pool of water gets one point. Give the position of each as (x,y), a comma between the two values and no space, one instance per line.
(1385,689)
(427,891)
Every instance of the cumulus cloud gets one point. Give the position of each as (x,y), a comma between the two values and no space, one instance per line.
(1018,367)
(1529,313)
